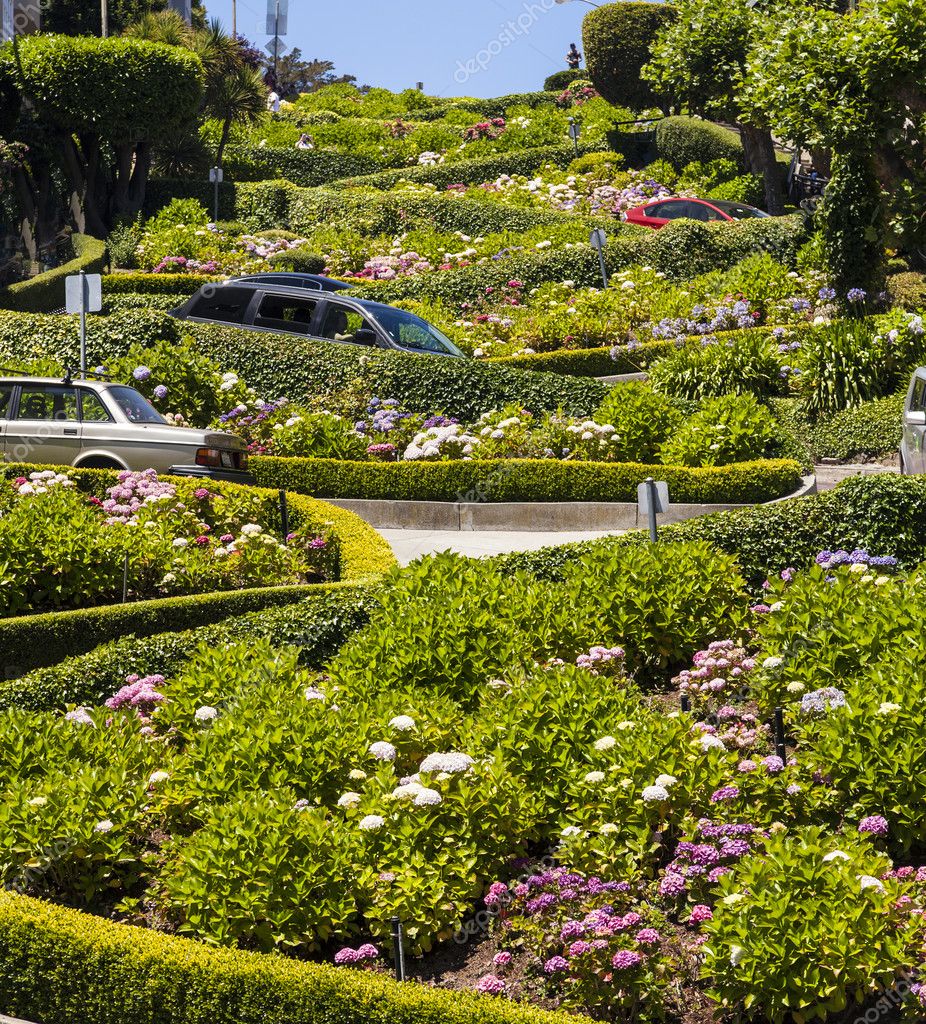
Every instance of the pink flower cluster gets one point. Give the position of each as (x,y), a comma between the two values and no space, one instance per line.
(720,667)
(347,955)
(387,268)
(738,730)
(599,657)
(139,693)
(132,492)
(491,129)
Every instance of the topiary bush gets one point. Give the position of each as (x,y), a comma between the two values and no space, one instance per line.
(560,80)
(617,39)
(45,292)
(686,140)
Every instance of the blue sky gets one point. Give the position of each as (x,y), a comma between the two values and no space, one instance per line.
(469,47)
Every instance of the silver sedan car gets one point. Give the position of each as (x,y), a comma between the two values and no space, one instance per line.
(96,424)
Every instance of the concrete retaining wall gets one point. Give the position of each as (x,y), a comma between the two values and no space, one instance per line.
(526,517)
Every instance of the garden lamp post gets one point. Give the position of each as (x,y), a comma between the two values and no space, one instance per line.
(104,18)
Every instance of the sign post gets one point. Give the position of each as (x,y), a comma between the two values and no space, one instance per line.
(598,240)
(652,499)
(83,294)
(216,176)
(575,131)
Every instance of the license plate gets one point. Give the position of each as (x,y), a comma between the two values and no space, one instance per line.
(228,460)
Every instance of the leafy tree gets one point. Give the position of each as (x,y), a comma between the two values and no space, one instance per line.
(103,103)
(701,59)
(82,17)
(617,39)
(854,83)
(295,75)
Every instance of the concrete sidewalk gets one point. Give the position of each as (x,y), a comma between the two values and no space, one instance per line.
(411,544)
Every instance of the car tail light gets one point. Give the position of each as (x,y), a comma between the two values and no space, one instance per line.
(221,458)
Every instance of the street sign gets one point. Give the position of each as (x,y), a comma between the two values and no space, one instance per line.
(575,130)
(277,17)
(598,239)
(653,498)
(83,293)
(216,175)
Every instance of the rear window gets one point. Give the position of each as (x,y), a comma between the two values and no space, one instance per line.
(225,304)
(135,406)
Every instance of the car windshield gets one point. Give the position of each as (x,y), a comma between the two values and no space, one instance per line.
(136,407)
(738,211)
(412,332)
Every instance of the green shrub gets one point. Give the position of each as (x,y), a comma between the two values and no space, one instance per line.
(617,40)
(300,261)
(908,290)
(747,362)
(560,80)
(727,429)
(121,244)
(870,431)
(642,419)
(53,958)
(162,284)
(302,167)
(45,292)
(526,480)
(771,942)
(686,140)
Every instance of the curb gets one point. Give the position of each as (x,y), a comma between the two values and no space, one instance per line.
(528,517)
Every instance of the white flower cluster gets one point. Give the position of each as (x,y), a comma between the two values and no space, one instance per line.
(440,441)
(452,763)
(39,483)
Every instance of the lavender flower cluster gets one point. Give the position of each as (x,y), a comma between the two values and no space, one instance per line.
(710,854)
(721,665)
(833,559)
(727,316)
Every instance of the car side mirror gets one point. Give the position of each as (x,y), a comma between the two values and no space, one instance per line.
(915,418)
(365,336)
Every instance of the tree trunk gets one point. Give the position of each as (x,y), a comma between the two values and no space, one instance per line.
(223,141)
(119,197)
(760,159)
(139,183)
(25,199)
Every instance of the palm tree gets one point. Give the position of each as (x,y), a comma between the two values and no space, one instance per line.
(162,27)
(239,98)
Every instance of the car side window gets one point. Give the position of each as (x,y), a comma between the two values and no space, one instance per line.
(48,402)
(6,400)
(918,398)
(282,313)
(698,211)
(92,409)
(222,303)
(655,210)
(675,209)
(342,323)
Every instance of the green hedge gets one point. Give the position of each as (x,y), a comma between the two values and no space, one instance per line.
(561,80)
(591,362)
(58,965)
(884,515)
(301,167)
(160,191)
(527,480)
(318,624)
(686,140)
(872,430)
(140,283)
(31,641)
(45,292)
(617,40)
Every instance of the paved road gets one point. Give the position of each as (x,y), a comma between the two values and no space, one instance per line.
(829,476)
(410,544)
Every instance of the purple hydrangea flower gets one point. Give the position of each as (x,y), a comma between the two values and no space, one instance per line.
(556,964)
(141,373)
(160,391)
(725,793)
(625,959)
(874,825)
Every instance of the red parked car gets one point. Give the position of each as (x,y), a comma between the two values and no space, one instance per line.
(659,212)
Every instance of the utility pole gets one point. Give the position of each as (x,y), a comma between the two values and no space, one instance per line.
(276,42)
(234,18)
(104,18)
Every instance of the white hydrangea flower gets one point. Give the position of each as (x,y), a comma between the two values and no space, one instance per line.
(402,723)
(383,751)
(79,715)
(38,801)
(155,777)
(593,777)
(795,687)
(453,763)
(870,882)
(666,780)
(371,823)
(605,743)
(571,830)
(608,828)
(205,714)
(835,855)
(427,797)
(888,708)
(356,774)
(773,662)
(251,530)
(709,742)
(737,953)
(655,794)
(349,800)
(623,727)
(103,826)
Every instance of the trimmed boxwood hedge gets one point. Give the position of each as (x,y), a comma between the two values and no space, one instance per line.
(300,166)
(318,624)
(46,291)
(883,514)
(280,365)
(591,362)
(31,641)
(686,140)
(58,965)
(139,283)
(519,480)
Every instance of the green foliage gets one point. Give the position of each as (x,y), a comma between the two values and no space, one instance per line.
(725,430)
(746,363)
(852,225)
(771,943)
(527,480)
(560,80)
(124,89)
(121,244)
(907,290)
(44,293)
(869,431)
(642,418)
(617,40)
(686,140)
(301,260)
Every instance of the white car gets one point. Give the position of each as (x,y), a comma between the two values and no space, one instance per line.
(97,424)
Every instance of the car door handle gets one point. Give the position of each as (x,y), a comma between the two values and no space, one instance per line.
(70,432)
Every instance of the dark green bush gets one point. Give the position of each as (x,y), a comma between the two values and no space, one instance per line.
(300,261)
(617,40)
(53,959)
(160,284)
(45,292)
(317,624)
(301,167)
(560,80)
(686,140)
(871,430)
(745,362)
(907,290)
(526,480)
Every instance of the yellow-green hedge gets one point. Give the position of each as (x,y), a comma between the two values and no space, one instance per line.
(45,292)
(34,641)
(60,966)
